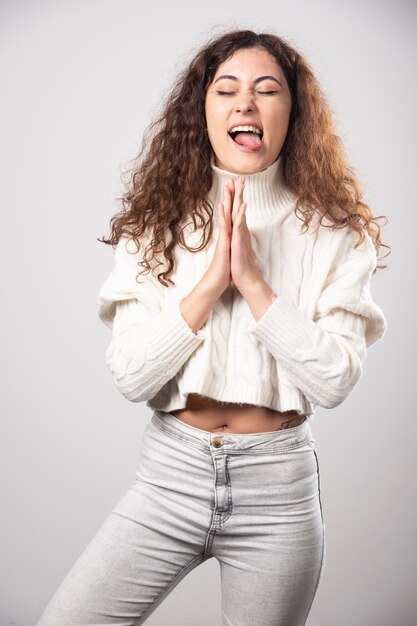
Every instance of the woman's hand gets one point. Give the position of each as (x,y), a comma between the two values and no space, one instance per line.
(218,274)
(234,258)
(243,268)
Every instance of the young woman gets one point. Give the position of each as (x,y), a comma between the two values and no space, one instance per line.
(234,344)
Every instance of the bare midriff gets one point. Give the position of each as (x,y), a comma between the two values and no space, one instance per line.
(214,416)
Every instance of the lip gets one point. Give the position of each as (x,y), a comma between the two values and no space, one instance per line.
(244,148)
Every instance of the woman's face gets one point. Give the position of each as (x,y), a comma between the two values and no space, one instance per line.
(253,92)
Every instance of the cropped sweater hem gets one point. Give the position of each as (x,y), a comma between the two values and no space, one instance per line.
(239,393)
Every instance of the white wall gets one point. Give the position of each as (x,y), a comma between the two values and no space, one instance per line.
(80,82)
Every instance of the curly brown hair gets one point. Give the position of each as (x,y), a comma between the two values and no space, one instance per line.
(169,184)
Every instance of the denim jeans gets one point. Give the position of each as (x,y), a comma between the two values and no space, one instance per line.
(252,501)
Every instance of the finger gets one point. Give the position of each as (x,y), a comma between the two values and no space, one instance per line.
(226,192)
(237,201)
(228,203)
(222,220)
(239,219)
(232,191)
(226,211)
(232,187)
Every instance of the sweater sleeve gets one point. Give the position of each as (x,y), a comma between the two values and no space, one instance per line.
(323,356)
(150,340)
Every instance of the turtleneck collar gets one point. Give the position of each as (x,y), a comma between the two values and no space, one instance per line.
(265,192)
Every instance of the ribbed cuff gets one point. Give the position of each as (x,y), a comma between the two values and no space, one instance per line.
(172,339)
(282,328)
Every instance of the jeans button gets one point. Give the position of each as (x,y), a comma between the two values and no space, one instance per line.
(217,442)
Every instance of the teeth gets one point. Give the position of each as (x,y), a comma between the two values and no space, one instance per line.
(252,129)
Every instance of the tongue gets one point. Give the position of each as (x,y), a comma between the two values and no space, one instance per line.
(250,140)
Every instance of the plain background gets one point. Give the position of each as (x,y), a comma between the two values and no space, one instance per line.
(80,82)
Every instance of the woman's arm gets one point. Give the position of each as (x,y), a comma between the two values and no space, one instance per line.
(323,357)
(150,341)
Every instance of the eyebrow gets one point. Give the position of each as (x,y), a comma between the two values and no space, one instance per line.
(257,80)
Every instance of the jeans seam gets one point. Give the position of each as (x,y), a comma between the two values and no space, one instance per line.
(323,551)
(277,449)
(229,511)
(318,483)
(201,557)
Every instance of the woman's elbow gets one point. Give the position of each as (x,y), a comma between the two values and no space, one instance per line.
(133,389)
(334,393)
(136,384)
(127,374)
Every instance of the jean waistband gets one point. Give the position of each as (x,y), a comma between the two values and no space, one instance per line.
(276,439)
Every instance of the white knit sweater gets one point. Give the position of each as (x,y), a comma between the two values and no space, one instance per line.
(306,350)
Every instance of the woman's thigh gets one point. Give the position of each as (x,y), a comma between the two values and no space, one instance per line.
(271,544)
(152,538)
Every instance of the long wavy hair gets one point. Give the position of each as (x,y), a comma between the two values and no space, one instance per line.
(170,180)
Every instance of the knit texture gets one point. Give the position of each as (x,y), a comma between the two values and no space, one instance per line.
(306,350)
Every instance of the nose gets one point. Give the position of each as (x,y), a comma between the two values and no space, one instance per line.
(244,103)
(243,108)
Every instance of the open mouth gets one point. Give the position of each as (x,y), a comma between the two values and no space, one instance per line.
(233,134)
(246,140)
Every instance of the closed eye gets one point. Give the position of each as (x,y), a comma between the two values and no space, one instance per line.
(230,93)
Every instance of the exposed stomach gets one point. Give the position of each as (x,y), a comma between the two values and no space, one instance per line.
(214,416)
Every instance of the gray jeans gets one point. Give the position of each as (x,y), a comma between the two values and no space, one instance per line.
(252,501)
